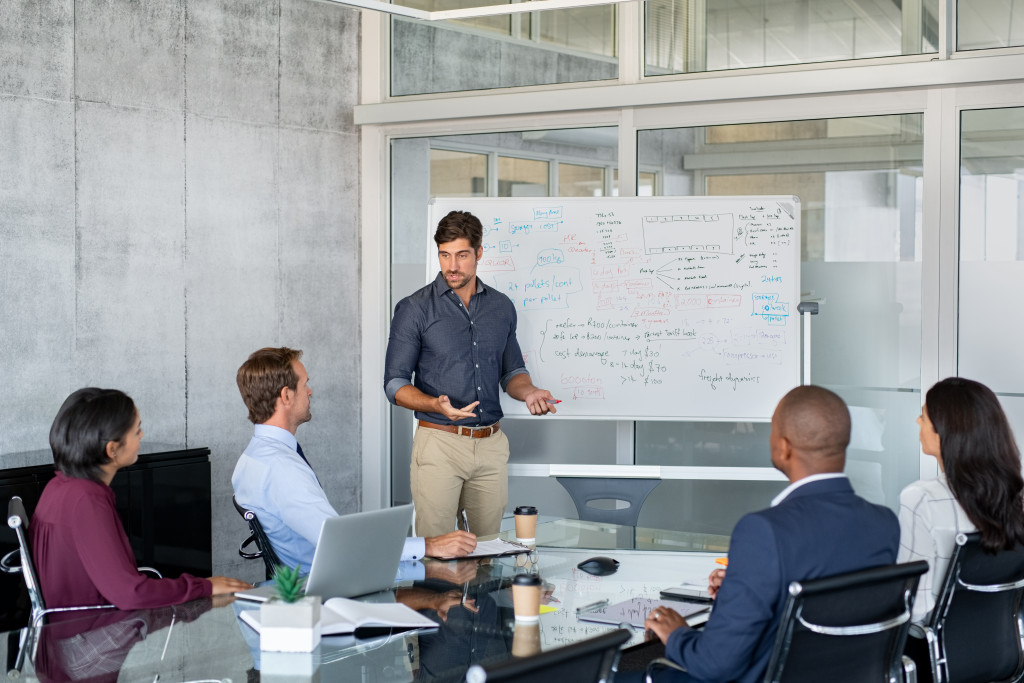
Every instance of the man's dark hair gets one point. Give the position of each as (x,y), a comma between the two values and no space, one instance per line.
(262,377)
(87,420)
(457,225)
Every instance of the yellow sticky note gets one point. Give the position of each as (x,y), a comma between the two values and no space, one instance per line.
(544,609)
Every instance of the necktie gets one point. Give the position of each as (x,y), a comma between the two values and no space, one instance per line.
(298,449)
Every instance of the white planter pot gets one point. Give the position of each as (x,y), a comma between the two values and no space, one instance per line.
(290,627)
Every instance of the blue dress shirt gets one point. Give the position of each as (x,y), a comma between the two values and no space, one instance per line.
(280,487)
(465,355)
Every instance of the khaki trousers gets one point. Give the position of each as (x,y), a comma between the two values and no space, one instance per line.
(450,473)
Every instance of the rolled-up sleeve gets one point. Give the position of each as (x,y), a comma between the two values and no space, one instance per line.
(512,362)
(403,349)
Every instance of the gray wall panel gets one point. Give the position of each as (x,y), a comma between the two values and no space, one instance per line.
(37,48)
(131,232)
(131,53)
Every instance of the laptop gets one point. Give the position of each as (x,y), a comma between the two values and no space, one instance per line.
(356,554)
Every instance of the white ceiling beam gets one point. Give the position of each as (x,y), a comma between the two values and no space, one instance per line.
(471,12)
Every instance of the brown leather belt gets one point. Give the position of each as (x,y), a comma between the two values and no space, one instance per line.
(471,432)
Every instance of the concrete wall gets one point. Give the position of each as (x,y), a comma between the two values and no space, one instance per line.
(178,187)
(430,58)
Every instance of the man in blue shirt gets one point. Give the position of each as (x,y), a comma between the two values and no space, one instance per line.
(458,337)
(273,478)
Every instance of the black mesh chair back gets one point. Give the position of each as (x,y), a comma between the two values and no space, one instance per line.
(975,630)
(586,489)
(589,661)
(849,628)
(258,538)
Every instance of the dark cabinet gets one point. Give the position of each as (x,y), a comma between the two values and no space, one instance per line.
(163,501)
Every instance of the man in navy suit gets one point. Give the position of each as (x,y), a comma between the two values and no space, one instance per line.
(816,527)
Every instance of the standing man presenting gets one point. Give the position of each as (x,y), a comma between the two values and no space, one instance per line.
(458,336)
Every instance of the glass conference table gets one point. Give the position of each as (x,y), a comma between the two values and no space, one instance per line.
(205,641)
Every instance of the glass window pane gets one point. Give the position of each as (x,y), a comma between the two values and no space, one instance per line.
(522,177)
(859,183)
(992,252)
(537,48)
(457,174)
(686,36)
(646,184)
(989,23)
(580,181)
(588,29)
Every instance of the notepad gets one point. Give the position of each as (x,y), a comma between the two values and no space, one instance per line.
(635,611)
(340,616)
(493,548)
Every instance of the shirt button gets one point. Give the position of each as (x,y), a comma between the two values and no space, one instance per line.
(478,388)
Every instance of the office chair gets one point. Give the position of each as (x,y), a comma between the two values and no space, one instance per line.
(976,629)
(848,628)
(628,489)
(17,519)
(258,537)
(589,661)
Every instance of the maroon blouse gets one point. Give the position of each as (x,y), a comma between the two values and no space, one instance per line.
(83,557)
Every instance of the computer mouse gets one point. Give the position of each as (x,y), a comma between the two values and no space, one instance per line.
(599,566)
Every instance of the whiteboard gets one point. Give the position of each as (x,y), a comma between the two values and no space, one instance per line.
(647,308)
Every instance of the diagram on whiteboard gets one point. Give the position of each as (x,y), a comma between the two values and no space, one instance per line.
(649,308)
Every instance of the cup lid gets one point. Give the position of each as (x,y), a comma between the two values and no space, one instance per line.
(526,580)
(526,510)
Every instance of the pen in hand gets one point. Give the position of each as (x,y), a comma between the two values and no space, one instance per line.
(465,521)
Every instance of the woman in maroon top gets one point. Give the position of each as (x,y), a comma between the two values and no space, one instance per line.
(80,547)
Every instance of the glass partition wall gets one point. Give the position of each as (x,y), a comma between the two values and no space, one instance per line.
(912,213)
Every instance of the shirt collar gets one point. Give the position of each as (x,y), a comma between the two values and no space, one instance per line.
(800,482)
(277,434)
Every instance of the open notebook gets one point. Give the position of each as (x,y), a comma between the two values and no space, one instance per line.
(635,611)
(340,616)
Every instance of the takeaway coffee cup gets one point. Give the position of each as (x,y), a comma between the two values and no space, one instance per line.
(526,589)
(526,524)
(526,639)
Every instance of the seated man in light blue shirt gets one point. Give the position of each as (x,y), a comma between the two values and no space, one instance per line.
(273,478)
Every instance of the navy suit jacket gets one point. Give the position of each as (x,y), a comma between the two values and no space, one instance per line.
(822,528)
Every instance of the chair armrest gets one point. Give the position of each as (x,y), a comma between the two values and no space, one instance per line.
(909,670)
(151,570)
(248,555)
(661,663)
(7,562)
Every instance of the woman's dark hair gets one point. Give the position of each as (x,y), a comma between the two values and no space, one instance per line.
(980,458)
(86,421)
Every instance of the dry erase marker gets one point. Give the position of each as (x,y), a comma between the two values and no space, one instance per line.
(724,561)
(592,606)
(552,401)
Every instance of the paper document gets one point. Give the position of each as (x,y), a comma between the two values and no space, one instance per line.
(339,616)
(494,548)
(635,611)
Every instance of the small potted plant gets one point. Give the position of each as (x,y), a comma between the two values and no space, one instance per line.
(291,621)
